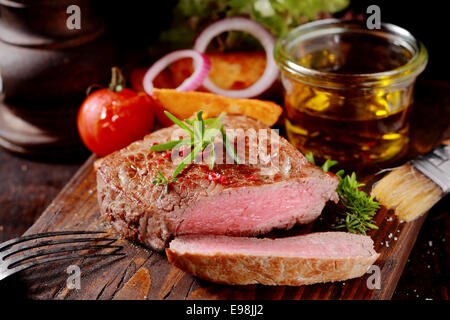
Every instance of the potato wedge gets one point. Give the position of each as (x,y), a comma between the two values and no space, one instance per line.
(184,104)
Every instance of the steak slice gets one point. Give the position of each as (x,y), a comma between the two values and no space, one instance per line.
(278,191)
(293,261)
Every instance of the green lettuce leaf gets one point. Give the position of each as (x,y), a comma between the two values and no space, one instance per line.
(279,16)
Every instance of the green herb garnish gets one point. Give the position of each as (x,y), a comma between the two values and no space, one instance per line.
(202,134)
(310,157)
(328,164)
(163,180)
(360,207)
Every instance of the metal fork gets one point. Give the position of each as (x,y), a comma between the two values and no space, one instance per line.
(14,259)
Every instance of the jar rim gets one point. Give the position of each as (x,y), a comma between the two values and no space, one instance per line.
(410,70)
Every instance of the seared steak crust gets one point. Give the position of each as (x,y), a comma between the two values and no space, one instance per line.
(143,212)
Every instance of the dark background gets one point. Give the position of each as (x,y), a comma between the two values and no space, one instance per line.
(137,23)
(427,21)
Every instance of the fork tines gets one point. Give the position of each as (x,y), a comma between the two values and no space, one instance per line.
(62,245)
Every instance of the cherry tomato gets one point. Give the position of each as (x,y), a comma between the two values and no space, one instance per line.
(109,120)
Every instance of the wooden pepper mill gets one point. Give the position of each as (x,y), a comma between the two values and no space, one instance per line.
(45,69)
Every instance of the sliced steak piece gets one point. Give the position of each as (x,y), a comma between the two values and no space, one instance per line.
(278,191)
(293,261)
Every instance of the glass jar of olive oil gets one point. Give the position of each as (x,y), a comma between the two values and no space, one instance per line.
(348,90)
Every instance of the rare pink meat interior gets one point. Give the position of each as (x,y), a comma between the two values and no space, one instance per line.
(331,245)
(278,191)
(294,261)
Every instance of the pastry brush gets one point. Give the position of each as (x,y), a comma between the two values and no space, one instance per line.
(412,189)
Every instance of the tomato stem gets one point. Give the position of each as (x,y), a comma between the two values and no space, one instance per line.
(92,88)
(117,80)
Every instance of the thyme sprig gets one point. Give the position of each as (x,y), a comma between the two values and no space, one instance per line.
(202,134)
(164,181)
(360,207)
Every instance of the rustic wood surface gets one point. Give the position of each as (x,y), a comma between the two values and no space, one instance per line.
(27,187)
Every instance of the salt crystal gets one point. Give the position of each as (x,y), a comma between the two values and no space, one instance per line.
(395,238)
(430,243)
(389,219)
(387,244)
(390,235)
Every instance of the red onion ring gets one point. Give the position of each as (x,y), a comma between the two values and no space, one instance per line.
(271,71)
(202,66)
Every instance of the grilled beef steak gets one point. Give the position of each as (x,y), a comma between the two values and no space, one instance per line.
(278,190)
(299,260)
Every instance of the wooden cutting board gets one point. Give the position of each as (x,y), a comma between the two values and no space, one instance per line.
(144,274)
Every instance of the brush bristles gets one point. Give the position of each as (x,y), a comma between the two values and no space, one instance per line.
(408,192)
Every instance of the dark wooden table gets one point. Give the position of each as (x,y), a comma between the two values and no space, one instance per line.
(27,187)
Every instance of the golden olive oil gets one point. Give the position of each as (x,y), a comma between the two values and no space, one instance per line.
(354,125)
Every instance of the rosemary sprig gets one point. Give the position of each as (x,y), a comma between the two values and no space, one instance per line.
(163,180)
(360,207)
(202,134)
